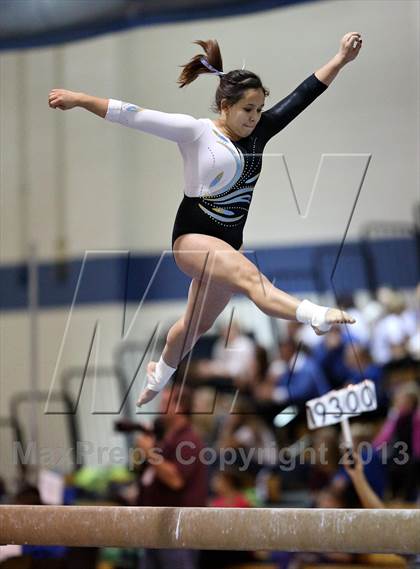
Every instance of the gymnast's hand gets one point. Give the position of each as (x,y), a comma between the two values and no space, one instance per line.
(350,46)
(62,99)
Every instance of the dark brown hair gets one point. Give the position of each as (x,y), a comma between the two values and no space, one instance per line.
(232,85)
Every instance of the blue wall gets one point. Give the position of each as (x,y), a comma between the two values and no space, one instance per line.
(303,268)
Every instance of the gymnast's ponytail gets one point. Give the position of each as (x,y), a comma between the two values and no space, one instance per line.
(195,66)
(232,85)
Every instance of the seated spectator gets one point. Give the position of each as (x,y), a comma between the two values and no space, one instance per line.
(412,318)
(27,495)
(329,354)
(360,366)
(208,407)
(391,333)
(232,357)
(243,429)
(227,486)
(374,308)
(322,462)
(258,371)
(302,378)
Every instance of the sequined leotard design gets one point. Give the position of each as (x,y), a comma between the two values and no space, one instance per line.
(220,174)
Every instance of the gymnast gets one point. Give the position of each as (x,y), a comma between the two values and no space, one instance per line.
(222,163)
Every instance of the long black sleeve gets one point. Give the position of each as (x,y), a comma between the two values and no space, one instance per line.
(282,113)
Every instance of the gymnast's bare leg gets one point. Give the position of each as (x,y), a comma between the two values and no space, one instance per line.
(227,271)
(206,301)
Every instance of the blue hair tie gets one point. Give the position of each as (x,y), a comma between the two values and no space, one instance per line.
(210,67)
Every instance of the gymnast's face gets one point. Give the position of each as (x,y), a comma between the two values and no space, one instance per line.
(241,118)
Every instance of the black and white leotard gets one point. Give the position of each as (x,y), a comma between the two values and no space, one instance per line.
(220,174)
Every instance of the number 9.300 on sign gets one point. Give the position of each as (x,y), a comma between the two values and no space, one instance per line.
(334,406)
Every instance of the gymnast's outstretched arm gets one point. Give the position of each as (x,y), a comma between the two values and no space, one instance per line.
(349,49)
(283,112)
(176,127)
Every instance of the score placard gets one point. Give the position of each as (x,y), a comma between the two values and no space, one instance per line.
(341,404)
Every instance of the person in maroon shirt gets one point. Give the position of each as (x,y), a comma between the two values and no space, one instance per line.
(174,475)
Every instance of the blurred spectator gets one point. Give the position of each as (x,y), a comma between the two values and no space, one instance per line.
(207,410)
(354,468)
(374,467)
(329,354)
(244,429)
(227,486)
(391,333)
(413,345)
(27,495)
(374,308)
(175,475)
(258,371)
(401,432)
(302,378)
(360,366)
(233,357)
(412,318)
(324,458)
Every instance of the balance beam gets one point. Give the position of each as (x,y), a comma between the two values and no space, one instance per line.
(291,529)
